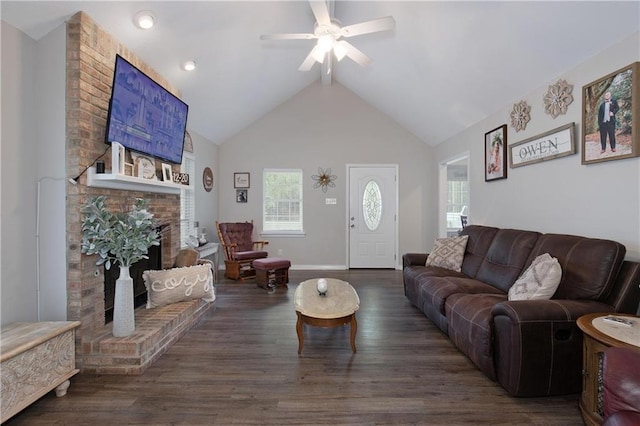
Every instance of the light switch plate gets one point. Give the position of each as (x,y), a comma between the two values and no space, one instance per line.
(330,201)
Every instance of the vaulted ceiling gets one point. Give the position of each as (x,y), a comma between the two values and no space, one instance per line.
(446,66)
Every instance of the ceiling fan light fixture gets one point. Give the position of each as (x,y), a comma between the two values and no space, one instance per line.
(340,51)
(318,54)
(144,19)
(325,43)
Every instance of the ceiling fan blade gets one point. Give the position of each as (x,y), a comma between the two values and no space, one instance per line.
(310,60)
(355,55)
(375,25)
(320,11)
(293,36)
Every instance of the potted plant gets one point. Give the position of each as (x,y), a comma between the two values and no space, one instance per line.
(123,238)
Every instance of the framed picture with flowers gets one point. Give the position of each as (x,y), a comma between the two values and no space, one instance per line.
(495,158)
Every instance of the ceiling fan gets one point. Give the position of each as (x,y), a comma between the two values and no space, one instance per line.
(329,34)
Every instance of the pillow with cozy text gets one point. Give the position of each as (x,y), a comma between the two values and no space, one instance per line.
(179,284)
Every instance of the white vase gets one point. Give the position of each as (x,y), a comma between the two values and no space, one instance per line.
(124,322)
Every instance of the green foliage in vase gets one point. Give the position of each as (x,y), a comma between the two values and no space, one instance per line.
(123,237)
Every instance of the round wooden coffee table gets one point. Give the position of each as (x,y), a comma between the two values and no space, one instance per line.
(337,308)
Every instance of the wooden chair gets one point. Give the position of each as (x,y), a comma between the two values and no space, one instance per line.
(239,249)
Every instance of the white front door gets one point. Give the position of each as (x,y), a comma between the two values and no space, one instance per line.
(372,216)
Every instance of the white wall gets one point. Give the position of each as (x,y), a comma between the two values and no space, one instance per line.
(206,153)
(328,127)
(562,196)
(18,192)
(50,122)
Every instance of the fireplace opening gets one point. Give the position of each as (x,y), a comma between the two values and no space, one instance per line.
(154,262)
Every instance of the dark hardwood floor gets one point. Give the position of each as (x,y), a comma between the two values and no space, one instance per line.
(240,366)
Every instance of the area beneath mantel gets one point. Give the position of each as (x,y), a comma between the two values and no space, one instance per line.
(156,330)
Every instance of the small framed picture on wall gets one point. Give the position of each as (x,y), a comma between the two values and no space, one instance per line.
(495,159)
(241,195)
(241,180)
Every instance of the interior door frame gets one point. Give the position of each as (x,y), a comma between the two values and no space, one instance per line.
(396,167)
(443,190)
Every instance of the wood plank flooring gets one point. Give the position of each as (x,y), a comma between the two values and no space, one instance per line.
(240,366)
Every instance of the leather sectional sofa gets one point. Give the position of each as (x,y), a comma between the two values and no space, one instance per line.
(530,347)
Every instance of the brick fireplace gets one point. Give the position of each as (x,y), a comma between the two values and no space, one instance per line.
(90,59)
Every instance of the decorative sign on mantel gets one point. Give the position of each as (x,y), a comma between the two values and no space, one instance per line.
(554,144)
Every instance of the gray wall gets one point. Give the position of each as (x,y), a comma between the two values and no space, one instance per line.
(598,200)
(328,127)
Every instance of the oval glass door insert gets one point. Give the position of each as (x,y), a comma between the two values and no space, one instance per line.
(372,205)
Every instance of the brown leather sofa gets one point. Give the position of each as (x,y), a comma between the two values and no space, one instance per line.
(530,347)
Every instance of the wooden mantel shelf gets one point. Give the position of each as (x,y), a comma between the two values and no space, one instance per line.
(132,183)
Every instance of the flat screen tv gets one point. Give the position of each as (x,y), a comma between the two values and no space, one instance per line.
(144,116)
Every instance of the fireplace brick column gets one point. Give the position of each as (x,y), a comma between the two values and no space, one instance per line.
(90,60)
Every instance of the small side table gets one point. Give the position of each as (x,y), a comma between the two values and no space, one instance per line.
(598,336)
(211,249)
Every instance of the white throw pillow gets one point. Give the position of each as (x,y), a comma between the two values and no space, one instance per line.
(539,281)
(179,284)
(448,253)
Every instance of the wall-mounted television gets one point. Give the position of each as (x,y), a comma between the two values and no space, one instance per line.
(144,116)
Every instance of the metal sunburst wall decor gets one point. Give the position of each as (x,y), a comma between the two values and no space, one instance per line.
(520,115)
(324,179)
(558,98)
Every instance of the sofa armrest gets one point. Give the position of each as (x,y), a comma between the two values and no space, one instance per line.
(538,345)
(410,259)
(548,310)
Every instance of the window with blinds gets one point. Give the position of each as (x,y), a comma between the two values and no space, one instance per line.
(282,202)
(187,200)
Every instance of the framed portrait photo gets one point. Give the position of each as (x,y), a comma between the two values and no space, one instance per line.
(241,180)
(609,105)
(241,196)
(495,158)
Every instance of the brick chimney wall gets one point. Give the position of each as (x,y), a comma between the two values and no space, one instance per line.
(90,65)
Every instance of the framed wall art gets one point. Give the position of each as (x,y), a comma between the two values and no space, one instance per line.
(241,180)
(609,106)
(495,159)
(556,143)
(241,196)
(207,179)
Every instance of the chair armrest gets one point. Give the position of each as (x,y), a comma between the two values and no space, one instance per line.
(547,310)
(259,245)
(410,259)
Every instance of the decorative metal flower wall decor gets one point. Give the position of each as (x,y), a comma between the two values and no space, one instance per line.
(558,98)
(324,179)
(520,115)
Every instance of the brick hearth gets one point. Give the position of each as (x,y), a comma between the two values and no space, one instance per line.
(90,60)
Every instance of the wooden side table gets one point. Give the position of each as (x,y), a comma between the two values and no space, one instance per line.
(598,336)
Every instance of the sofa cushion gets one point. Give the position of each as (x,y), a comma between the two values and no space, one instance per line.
(470,326)
(480,238)
(448,253)
(539,281)
(589,265)
(506,258)
(434,292)
(178,284)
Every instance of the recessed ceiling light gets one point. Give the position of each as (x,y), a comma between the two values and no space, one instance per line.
(144,19)
(189,65)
